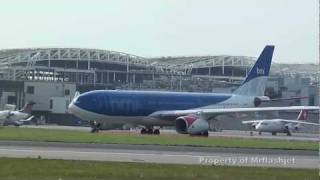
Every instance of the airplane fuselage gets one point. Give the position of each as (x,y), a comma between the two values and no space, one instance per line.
(270,126)
(13,115)
(123,106)
(154,108)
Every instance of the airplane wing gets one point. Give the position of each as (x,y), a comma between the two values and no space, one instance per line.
(25,120)
(251,122)
(299,122)
(219,111)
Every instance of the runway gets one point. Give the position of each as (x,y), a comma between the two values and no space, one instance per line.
(224,133)
(167,154)
(161,154)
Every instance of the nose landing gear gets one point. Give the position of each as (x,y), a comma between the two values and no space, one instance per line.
(95,126)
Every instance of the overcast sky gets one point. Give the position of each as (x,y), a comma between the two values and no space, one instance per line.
(166,27)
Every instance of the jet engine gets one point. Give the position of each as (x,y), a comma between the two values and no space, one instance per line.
(259,99)
(9,115)
(192,125)
(254,125)
(292,127)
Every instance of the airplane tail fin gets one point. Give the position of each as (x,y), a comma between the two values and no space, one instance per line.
(303,115)
(28,107)
(255,82)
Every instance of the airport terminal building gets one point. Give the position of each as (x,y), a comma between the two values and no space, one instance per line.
(88,69)
(96,67)
(51,76)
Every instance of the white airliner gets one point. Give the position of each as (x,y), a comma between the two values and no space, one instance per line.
(16,118)
(275,126)
(188,112)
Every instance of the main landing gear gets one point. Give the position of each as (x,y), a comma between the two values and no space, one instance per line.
(204,134)
(286,130)
(150,131)
(288,133)
(95,126)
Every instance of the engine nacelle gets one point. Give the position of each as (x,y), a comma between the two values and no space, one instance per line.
(292,127)
(191,124)
(259,99)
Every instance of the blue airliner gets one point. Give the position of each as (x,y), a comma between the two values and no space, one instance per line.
(188,112)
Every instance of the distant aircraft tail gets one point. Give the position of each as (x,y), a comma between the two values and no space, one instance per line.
(28,107)
(303,115)
(255,82)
